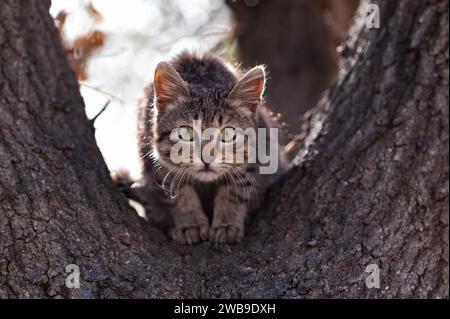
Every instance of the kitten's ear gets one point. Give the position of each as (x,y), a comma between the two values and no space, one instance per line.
(249,90)
(168,86)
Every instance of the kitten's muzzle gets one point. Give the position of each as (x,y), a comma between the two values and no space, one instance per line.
(205,168)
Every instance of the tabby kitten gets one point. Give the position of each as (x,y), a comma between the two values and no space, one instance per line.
(207,199)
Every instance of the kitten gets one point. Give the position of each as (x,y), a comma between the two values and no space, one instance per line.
(208,198)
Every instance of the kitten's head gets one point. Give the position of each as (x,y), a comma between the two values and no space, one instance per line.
(197,130)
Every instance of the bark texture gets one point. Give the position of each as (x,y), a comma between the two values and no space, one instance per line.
(370,185)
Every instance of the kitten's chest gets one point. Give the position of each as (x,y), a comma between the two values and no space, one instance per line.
(206,193)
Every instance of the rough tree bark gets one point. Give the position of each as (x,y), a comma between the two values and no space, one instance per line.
(292,39)
(370,185)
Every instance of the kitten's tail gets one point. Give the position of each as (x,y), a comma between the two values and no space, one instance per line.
(144,194)
(123,181)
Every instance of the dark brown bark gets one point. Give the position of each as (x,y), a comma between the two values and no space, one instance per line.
(290,37)
(371,188)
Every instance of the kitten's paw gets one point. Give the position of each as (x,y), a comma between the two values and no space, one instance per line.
(230,234)
(190,235)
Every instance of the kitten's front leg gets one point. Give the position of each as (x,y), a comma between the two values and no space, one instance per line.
(191,223)
(230,210)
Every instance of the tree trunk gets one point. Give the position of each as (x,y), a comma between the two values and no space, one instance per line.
(370,185)
(290,37)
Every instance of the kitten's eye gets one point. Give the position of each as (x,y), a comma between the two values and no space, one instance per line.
(228,134)
(186,133)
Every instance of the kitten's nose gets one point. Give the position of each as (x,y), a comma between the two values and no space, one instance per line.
(207,159)
(205,164)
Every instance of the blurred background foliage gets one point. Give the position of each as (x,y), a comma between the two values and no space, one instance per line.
(114,46)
